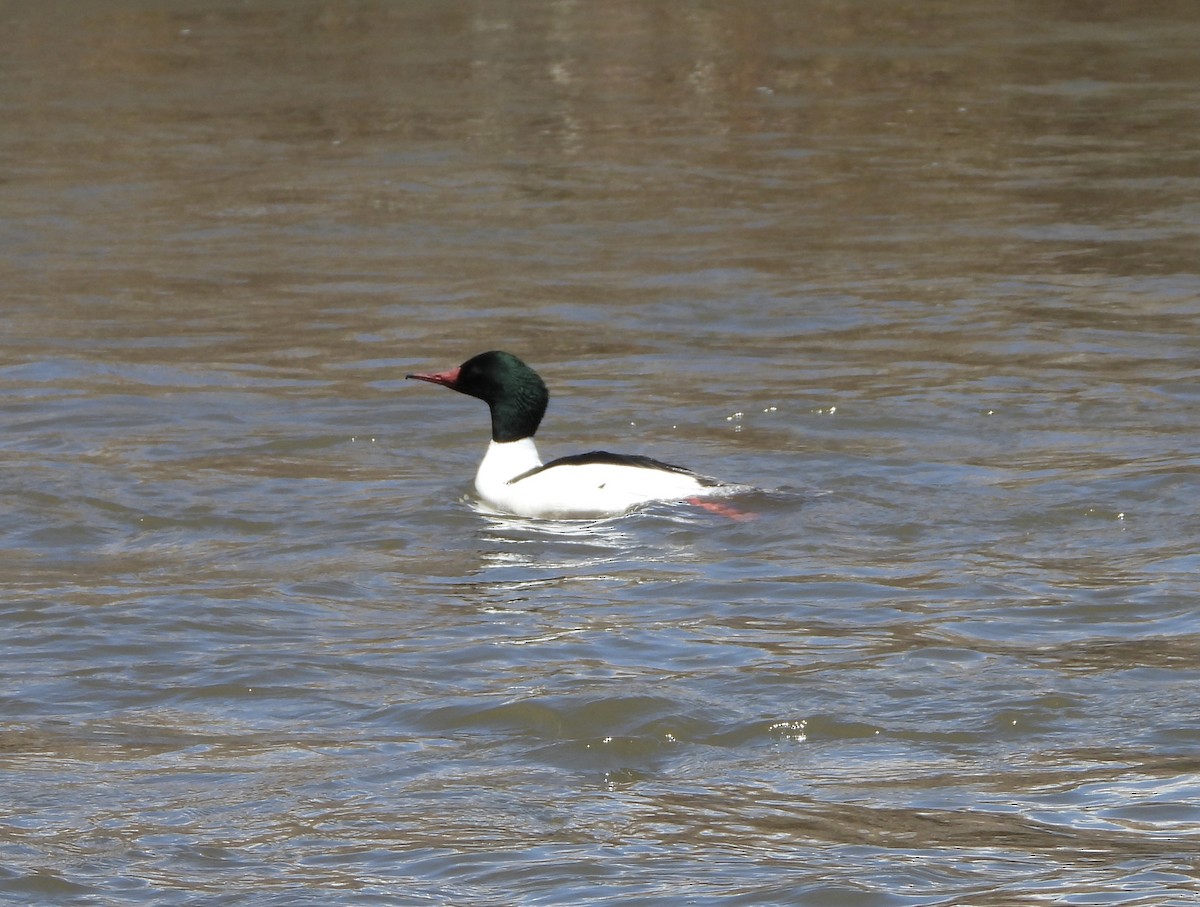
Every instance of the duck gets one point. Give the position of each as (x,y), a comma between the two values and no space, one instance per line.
(513,480)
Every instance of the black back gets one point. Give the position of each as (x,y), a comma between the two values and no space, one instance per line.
(615,459)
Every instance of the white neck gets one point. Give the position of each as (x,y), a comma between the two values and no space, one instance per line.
(503,461)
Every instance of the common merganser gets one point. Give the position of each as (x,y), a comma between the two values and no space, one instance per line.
(512,478)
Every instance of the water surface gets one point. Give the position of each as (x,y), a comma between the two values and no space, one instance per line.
(924,273)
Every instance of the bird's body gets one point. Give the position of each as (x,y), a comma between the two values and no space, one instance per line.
(512,478)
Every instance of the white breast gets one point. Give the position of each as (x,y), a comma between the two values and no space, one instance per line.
(503,461)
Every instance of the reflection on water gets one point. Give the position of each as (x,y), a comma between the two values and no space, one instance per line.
(516,552)
(932,264)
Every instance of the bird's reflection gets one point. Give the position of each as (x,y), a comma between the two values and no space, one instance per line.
(538,552)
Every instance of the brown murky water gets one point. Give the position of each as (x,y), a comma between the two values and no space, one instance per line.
(924,272)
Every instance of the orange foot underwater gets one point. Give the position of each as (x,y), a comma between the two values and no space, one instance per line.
(722,509)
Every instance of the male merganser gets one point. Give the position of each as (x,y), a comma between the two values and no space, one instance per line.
(512,478)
